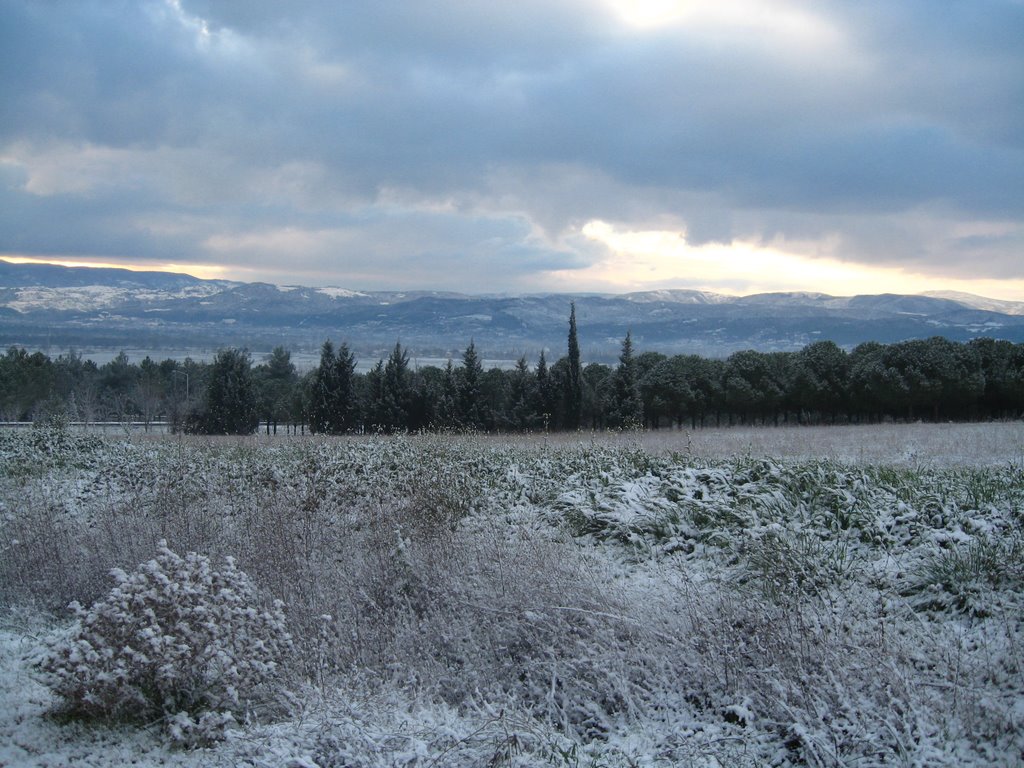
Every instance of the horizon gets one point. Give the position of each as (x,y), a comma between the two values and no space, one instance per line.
(602,146)
(181,270)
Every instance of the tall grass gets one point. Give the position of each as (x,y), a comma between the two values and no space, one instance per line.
(582,603)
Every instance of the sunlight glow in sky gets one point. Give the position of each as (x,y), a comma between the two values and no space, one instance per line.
(648,260)
(779,22)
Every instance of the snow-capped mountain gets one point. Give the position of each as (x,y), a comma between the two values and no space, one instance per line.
(981,302)
(45,306)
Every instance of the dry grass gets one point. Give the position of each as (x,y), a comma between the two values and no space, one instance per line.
(918,444)
(618,599)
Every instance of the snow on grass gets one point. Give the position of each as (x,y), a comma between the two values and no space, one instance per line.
(570,602)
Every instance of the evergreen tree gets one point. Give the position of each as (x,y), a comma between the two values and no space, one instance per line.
(494,400)
(655,391)
(376,407)
(752,385)
(395,391)
(117,384)
(322,388)
(344,403)
(333,400)
(1002,365)
(627,405)
(868,383)
(820,384)
(545,394)
(932,378)
(448,407)
(277,380)
(25,381)
(75,378)
(596,378)
(574,379)
(231,404)
(470,376)
(148,391)
(426,396)
(667,387)
(522,398)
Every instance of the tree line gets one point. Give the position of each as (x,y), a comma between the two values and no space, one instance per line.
(930,379)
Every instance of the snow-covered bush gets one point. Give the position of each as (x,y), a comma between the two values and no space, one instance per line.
(176,641)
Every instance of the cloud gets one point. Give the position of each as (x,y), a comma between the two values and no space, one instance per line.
(381,144)
(666,259)
(428,247)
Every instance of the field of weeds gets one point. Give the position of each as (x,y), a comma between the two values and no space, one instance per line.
(627,600)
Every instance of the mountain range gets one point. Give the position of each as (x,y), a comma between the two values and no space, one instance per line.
(56,308)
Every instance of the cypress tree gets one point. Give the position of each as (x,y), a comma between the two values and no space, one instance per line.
(574,381)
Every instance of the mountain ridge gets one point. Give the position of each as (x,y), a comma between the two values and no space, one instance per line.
(110,308)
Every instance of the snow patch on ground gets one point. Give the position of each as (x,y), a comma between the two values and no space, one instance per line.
(338,293)
(91,298)
(30,737)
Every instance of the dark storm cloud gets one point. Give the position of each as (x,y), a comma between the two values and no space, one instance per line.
(477,138)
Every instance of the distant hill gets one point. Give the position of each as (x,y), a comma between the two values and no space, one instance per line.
(54,308)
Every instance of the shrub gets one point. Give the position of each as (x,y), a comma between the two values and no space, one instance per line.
(176,641)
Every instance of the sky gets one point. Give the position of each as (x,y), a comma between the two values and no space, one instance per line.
(735,146)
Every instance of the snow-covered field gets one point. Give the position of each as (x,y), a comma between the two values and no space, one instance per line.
(848,596)
(914,445)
